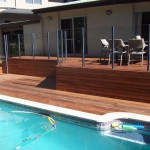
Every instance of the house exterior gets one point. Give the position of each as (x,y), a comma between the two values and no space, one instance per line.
(15,14)
(129,17)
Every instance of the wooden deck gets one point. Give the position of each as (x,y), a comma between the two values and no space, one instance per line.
(96,78)
(32,88)
(95,63)
(29,63)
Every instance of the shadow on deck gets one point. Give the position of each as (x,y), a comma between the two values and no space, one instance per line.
(49,82)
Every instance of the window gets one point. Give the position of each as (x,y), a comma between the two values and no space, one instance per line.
(37,1)
(2,0)
(33,1)
(73,27)
(145,20)
(29,1)
(7,21)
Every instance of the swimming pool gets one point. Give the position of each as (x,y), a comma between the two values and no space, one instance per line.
(22,128)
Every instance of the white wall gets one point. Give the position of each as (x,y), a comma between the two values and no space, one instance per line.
(8,3)
(50,26)
(98,24)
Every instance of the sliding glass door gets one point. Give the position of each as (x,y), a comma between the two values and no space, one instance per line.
(74,26)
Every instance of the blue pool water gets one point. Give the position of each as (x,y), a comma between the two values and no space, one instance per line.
(21,129)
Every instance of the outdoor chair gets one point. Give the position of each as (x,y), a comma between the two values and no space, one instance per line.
(136,47)
(138,37)
(105,48)
(120,49)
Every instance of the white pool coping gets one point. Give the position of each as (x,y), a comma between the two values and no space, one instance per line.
(94,117)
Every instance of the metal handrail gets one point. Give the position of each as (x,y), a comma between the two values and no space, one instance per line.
(66,48)
(148,57)
(83,48)
(113,33)
(62,45)
(33,45)
(19,47)
(48,44)
(6,51)
(57,45)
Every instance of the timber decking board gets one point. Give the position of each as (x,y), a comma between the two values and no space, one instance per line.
(116,84)
(10,85)
(96,78)
(95,63)
(33,67)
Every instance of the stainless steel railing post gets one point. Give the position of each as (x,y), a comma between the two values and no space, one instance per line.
(62,46)
(65,34)
(19,47)
(6,51)
(48,44)
(57,46)
(83,47)
(33,45)
(113,31)
(148,54)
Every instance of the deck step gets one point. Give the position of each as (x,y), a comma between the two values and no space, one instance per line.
(132,86)
(122,84)
(31,67)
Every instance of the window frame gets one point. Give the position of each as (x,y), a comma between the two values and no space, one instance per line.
(33,2)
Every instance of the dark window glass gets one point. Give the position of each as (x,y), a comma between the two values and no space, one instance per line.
(145,24)
(69,0)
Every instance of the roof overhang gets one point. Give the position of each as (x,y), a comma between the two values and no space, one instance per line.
(15,11)
(21,14)
(85,4)
(18,23)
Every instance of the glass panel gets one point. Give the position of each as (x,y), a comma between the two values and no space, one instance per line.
(37,1)
(66,25)
(79,23)
(74,35)
(70,46)
(13,42)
